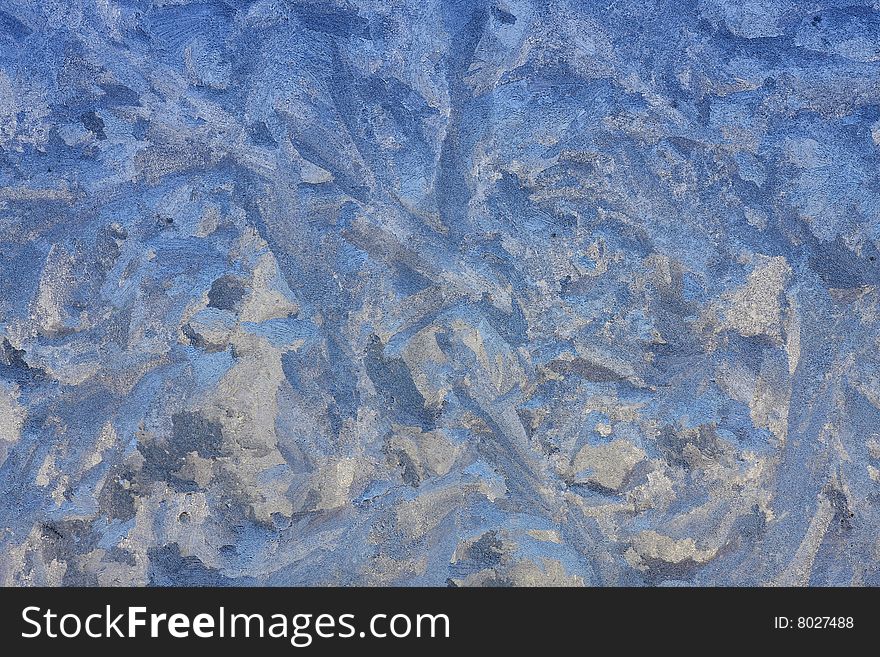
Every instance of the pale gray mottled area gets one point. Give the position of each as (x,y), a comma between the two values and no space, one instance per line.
(439,292)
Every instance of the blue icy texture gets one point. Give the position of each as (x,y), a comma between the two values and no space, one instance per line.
(432,292)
